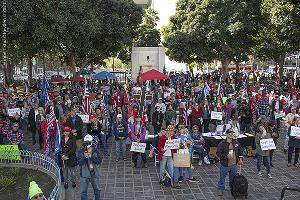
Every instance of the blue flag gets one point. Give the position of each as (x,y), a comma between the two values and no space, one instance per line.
(206,89)
(57,140)
(44,96)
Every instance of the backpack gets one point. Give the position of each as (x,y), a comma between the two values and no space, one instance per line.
(139,161)
(239,186)
(166,179)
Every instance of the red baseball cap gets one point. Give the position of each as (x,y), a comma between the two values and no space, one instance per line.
(67,129)
(93,116)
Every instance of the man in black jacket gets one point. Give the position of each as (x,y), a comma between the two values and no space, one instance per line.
(76,123)
(228,152)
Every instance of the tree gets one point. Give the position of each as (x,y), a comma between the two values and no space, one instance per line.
(212,29)
(147,34)
(280,33)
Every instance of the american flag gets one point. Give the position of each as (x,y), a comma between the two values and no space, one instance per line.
(185,114)
(86,103)
(50,122)
(44,96)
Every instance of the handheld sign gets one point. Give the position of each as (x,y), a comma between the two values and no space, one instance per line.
(279,115)
(220,128)
(216,115)
(10,152)
(267,144)
(172,144)
(85,118)
(295,131)
(138,147)
(13,112)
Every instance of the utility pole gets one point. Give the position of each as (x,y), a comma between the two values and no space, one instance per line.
(4,66)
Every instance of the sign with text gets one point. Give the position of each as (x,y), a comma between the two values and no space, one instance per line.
(172,144)
(10,152)
(85,118)
(13,112)
(138,147)
(267,144)
(295,131)
(216,115)
(279,115)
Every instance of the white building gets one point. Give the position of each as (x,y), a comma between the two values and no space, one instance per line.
(143,3)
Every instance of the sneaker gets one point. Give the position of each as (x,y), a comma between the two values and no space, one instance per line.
(297,165)
(271,165)
(193,180)
(66,185)
(117,160)
(289,164)
(124,158)
(200,162)
(180,179)
(220,193)
(269,176)
(260,174)
(73,185)
(206,161)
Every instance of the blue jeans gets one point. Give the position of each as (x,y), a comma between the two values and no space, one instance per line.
(200,150)
(84,184)
(266,162)
(120,148)
(166,160)
(103,141)
(232,170)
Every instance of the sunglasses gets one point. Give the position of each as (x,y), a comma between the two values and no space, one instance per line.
(37,196)
(16,126)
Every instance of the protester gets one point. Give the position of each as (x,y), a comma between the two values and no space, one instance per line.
(294,144)
(199,145)
(35,193)
(120,131)
(16,136)
(76,123)
(228,151)
(89,161)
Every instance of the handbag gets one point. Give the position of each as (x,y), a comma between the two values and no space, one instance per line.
(182,158)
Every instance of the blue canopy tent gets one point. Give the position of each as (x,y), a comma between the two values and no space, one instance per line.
(104,75)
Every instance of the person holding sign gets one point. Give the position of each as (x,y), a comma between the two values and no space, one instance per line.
(16,136)
(165,156)
(294,142)
(273,130)
(137,134)
(262,154)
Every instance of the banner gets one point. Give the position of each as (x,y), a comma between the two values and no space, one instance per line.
(85,118)
(13,112)
(267,144)
(295,131)
(279,115)
(138,147)
(216,115)
(10,152)
(172,144)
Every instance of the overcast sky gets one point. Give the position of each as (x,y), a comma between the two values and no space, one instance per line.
(165,9)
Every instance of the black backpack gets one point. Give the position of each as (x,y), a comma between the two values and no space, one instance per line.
(239,186)
(166,180)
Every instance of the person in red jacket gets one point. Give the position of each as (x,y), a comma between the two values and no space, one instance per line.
(166,156)
(196,116)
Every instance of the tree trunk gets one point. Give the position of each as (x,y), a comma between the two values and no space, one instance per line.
(72,64)
(224,64)
(30,66)
(236,63)
(280,62)
(8,74)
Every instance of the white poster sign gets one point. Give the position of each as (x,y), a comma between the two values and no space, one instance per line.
(267,144)
(13,112)
(220,128)
(216,115)
(85,118)
(138,147)
(172,144)
(295,131)
(279,115)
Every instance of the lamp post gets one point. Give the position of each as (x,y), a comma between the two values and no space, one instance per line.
(4,66)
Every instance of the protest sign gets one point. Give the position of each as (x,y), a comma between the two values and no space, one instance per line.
(13,112)
(85,118)
(138,147)
(10,152)
(267,144)
(216,115)
(279,115)
(172,144)
(295,131)
(220,128)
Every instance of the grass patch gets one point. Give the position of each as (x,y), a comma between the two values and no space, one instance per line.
(9,178)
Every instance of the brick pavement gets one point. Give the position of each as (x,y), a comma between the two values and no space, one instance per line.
(120,181)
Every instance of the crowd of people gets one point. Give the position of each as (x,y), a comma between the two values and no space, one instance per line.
(257,103)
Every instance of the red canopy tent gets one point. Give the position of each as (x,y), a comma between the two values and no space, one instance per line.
(153,75)
(58,80)
(78,79)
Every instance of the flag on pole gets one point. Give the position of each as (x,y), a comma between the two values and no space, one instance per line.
(206,89)
(219,86)
(140,81)
(50,126)
(57,140)
(185,114)
(44,96)
(86,104)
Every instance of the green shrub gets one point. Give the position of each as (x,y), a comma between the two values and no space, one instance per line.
(7,181)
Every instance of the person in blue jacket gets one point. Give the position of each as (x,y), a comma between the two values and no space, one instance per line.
(120,131)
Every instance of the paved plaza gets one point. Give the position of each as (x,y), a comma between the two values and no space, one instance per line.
(120,181)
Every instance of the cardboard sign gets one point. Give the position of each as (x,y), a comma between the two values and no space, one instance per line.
(138,147)
(136,96)
(85,118)
(267,144)
(172,144)
(10,152)
(13,112)
(149,97)
(216,115)
(295,131)
(93,96)
(279,115)
(220,128)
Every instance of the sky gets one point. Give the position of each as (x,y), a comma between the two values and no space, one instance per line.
(165,9)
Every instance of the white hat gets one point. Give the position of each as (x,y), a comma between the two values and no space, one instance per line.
(119,116)
(88,138)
